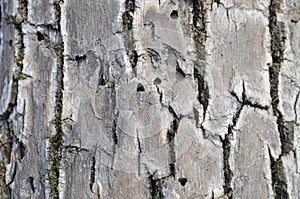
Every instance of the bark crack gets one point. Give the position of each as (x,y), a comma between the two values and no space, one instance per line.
(171,133)
(246,101)
(139,151)
(295,107)
(156,185)
(279,181)
(17,21)
(115,116)
(127,21)
(199,35)
(93,171)
(56,140)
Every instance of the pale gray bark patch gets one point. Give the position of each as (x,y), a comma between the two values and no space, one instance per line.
(149,99)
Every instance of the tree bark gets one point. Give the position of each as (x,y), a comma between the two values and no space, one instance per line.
(150,99)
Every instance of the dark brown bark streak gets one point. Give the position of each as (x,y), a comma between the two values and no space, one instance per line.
(17,21)
(279,182)
(56,140)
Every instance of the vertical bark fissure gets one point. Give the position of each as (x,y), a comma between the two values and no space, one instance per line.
(279,181)
(56,140)
(295,107)
(228,191)
(17,21)
(156,185)
(93,170)
(115,121)
(226,145)
(129,43)
(199,35)
(171,141)
(139,151)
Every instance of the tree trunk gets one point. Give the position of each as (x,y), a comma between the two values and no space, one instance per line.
(150,99)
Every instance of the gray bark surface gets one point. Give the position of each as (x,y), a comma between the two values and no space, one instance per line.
(149,99)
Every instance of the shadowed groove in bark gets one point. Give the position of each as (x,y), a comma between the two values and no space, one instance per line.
(226,166)
(171,141)
(56,140)
(6,143)
(129,43)
(115,115)
(199,36)
(17,21)
(279,182)
(93,170)
(226,145)
(156,186)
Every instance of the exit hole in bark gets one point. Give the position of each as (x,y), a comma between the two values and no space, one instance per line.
(182,181)
(140,88)
(157,81)
(40,36)
(174,14)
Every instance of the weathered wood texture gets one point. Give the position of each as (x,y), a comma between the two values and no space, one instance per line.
(150,99)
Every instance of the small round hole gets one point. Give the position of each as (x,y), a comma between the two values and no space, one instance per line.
(140,88)
(157,81)
(174,14)
(182,181)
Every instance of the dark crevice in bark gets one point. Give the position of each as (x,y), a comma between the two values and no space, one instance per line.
(228,174)
(156,186)
(129,43)
(56,140)
(226,145)
(295,107)
(226,142)
(114,125)
(179,70)
(172,131)
(92,177)
(114,131)
(17,21)
(139,151)
(154,57)
(171,141)
(246,102)
(173,112)
(80,59)
(203,91)
(7,140)
(285,130)
(199,36)
(279,183)
(74,148)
